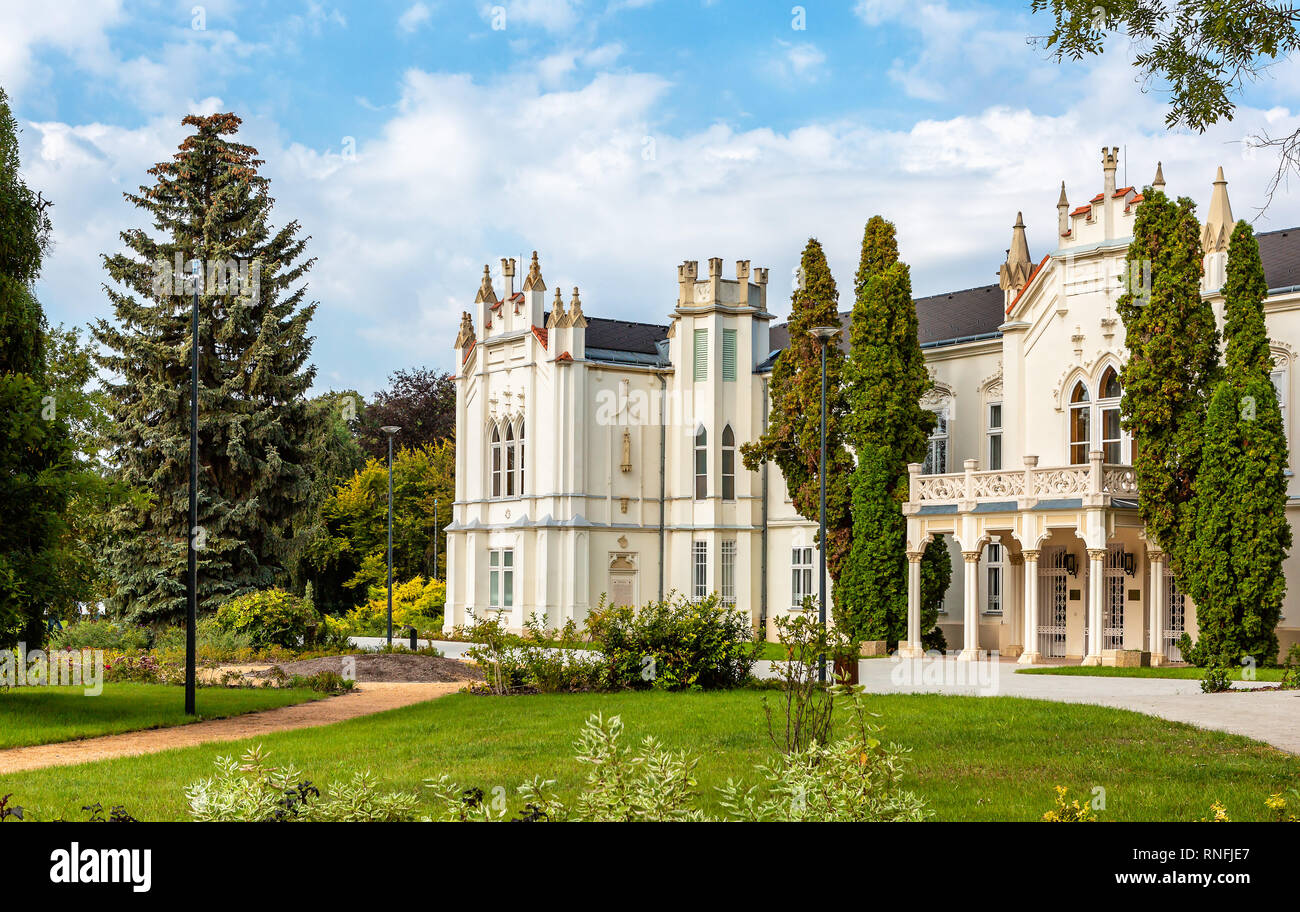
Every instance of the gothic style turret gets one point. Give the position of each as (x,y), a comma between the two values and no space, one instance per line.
(1016,270)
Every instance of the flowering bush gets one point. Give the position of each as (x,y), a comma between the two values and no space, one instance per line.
(1069,812)
(122,667)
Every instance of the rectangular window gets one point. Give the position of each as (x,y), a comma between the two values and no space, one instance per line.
(995,436)
(1279,384)
(501,578)
(1080,435)
(801,576)
(993,555)
(1111,439)
(700,570)
(727,558)
(701,355)
(701,465)
(729,355)
(936,454)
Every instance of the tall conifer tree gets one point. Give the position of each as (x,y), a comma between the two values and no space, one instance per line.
(209,202)
(35,451)
(1241,538)
(887,428)
(793,437)
(1173,363)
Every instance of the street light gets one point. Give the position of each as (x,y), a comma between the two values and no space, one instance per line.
(435,538)
(390,430)
(823,334)
(192,557)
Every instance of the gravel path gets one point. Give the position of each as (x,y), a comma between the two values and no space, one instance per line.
(367,698)
(387,667)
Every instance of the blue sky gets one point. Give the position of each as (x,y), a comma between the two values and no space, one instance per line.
(416,141)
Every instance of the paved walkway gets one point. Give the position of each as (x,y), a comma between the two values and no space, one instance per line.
(1272,717)
(369,697)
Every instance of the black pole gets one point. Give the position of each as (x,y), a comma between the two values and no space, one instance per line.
(192,609)
(821,551)
(435,538)
(390,541)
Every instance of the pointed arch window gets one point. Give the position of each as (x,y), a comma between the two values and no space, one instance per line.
(728,463)
(510,461)
(1109,393)
(496,457)
(520,445)
(701,464)
(1080,424)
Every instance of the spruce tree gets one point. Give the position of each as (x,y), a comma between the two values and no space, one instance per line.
(887,428)
(255,437)
(793,437)
(1173,363)
(1241,534)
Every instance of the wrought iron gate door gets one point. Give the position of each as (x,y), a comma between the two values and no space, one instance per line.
(1054,596)
(1175,622)
(1112,622)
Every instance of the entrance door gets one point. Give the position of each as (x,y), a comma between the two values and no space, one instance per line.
(1175,620)
(1054,599)
(1112,621)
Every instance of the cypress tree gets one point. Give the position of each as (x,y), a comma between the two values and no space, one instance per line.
(886,378)
(936,575)
(793,437)
(1241,531)
(1173,363)
(255,438)
(35,450)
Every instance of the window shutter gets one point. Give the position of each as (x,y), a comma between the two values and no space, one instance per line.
(701,355)
(729,355)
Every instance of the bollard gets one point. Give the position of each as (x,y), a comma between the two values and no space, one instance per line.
(414,642)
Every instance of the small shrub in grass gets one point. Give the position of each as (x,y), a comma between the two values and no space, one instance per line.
(544,661)
(271,617)
(326,682)
(1069,811)
(1216,680)
(1218,814)
(126,668)
(674,644)
(1290,679)
(251,790)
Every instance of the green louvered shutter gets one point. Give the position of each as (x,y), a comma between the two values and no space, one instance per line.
(701,355)
(729,355)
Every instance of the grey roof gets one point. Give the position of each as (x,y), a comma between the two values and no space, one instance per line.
(1280,251)
(621,335)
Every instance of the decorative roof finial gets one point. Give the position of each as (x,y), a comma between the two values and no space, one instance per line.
(1158,183)
(486,293)
(1015,271)
(558,317)
(466,334)
(1218,224)
(534,280)
(576,317)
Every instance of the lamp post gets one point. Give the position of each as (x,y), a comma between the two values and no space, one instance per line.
(192,557)
(390,430)
(435,538)
(823,334)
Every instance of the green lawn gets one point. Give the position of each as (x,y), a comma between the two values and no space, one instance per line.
(44,715)
(972,758)
(1188,672)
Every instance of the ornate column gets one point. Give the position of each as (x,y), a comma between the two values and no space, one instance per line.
(1096,591)
(1156,605)
(971,596)
(1031,655)
(911,648)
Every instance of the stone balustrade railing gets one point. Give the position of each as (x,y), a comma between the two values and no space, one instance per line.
(1094,480)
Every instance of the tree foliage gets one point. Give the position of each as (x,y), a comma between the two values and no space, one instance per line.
(35,451)
(793,437)
(1173,363)
(887,428)
(211,203)
(1241,529)
(936,575)
(420,401)
(350,553)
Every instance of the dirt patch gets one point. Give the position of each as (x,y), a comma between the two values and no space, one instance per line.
(387,667)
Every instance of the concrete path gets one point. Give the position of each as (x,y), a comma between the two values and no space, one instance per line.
(369,697)
(1272,716)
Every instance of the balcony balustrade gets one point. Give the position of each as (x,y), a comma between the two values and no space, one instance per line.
(1094,483)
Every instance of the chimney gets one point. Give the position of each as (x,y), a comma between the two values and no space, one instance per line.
(760,279)
(1109,162)
(1063,213)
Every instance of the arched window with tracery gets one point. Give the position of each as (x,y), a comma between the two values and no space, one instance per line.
(701,464)
(520,444)
(1109,393)
(1080,424)
(510,460)
(496,457)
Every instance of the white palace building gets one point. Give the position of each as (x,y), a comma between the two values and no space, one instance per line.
(600,458)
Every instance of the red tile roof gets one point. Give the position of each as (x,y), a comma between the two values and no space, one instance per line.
(469,351)
(564,356)
(543,335)
(1082,209)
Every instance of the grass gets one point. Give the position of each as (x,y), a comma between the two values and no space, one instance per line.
(45,715)
(972,758)
(1186,672)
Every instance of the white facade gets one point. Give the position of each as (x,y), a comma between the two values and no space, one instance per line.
(597,458)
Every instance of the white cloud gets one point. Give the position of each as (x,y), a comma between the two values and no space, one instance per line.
(803,62)
(76,30)
(416,15)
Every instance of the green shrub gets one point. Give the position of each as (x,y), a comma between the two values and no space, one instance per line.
(250,790)
(132,668)
(271,617)
(674,644)
(1216,680)
(326,682)
(544,661)
(100,634)
(416,603)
